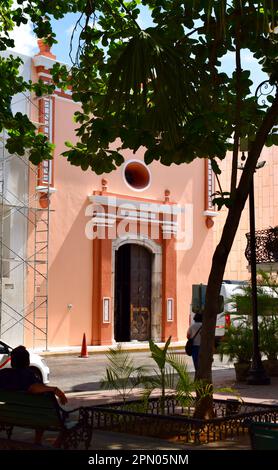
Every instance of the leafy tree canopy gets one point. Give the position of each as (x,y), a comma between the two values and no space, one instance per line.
(160,87)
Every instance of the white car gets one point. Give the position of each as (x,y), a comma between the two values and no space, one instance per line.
(228,314)
(37,364)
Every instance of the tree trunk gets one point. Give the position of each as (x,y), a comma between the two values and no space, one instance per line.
(219,261)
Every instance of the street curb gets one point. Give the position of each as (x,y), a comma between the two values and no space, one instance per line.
(92,350)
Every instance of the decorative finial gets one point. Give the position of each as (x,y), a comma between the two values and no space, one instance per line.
(209,222)
(44,200)
(166,195)
(45,49)
(104,184)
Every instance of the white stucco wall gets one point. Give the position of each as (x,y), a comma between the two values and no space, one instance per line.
(14,227)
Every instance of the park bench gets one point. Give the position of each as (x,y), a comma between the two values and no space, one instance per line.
(263,435)
(42,412)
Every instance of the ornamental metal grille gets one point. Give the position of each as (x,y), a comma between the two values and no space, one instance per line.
(146,418)
(266,246)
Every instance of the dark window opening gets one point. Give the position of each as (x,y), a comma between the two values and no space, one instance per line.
(137,175)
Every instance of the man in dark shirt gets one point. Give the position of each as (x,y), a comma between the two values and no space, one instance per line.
(20,377)
(17,379)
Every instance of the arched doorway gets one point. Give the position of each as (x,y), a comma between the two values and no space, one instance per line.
(133,293)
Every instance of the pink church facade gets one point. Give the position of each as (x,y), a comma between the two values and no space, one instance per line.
(124,248)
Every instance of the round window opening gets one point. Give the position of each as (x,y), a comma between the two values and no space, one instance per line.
(137,175)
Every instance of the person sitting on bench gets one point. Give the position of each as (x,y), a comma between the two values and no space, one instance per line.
(22,378)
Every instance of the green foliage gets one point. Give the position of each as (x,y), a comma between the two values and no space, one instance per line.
(164,377)
(185,388)
(237,343)
(171,374)
(21,133)
(122,374)
(158,354)
(267,297)
(268,330)
(221,199)
(159,87)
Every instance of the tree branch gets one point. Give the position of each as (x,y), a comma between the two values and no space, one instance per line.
(238,101)
(219,184)
(223,249)
(130,16)
(78,22)
(242,190)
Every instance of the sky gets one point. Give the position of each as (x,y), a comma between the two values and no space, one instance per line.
(26,43)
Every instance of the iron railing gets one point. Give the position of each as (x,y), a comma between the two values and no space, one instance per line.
(137,417)
(266,246)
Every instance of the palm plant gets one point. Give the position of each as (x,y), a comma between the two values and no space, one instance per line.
(122,374)
(185,385)
(269,337)
(267,296)
(237,343)
(172,374)
(190,392)
(164,376)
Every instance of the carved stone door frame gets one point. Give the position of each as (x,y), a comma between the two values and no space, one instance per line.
(156,281)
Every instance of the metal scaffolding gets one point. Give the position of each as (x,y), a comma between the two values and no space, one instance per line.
(24,244)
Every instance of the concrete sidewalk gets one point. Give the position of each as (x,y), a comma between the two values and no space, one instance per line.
(267,394)
(105,440)
(131,346)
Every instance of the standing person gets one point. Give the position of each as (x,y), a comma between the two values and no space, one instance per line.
(21,378)
(194,332)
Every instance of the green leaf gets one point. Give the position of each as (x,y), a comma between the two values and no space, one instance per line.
(215,167)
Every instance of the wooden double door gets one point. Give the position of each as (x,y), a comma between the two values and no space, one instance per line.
(133,273)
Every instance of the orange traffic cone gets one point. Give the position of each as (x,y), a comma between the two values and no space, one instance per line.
(84,352)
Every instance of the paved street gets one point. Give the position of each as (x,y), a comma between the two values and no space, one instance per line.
(74,374)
